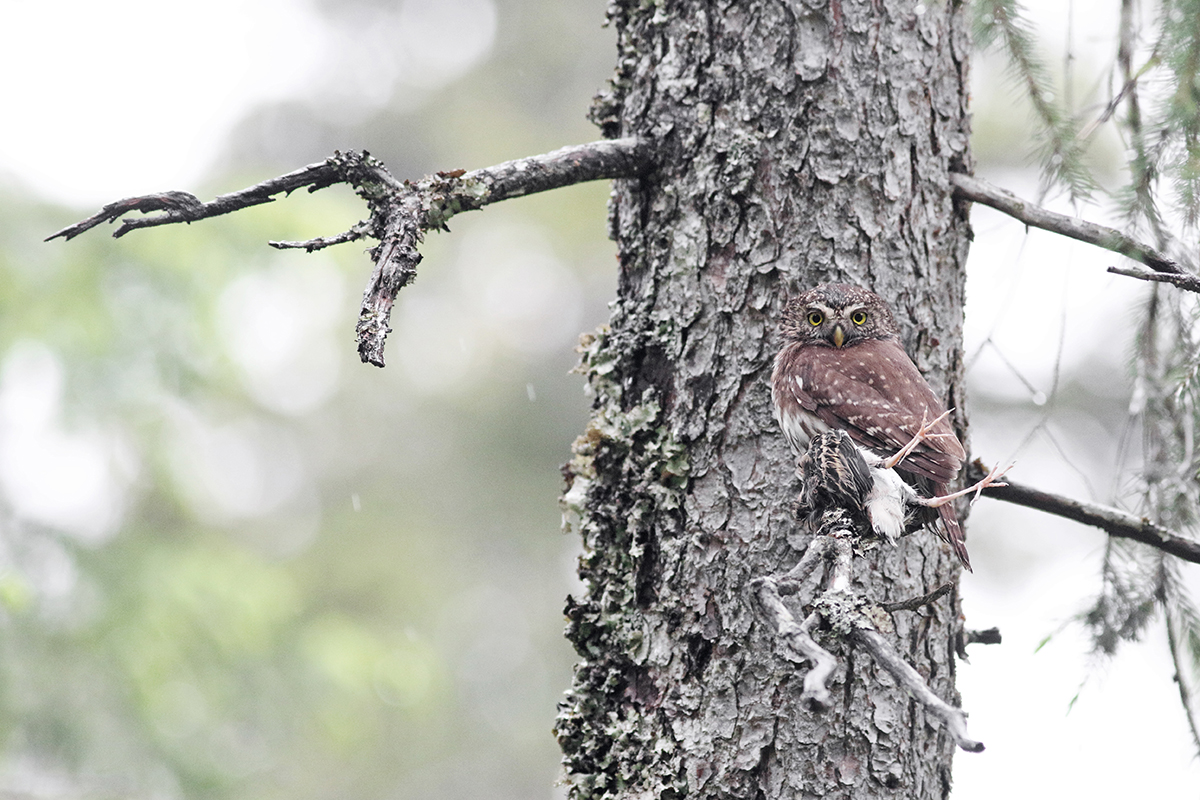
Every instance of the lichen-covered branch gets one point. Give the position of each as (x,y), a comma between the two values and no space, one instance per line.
(971,188)
(401,211)
(848,615)
(1114,521)
(797,639)
(887,657)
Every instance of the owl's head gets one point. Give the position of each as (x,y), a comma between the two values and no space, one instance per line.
(837,315)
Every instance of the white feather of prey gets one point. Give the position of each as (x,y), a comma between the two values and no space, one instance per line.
(887,502)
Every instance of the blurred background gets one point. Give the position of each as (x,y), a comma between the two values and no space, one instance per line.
(234,562)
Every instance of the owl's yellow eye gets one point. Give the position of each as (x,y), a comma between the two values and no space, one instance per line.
(858,317)
(815,318)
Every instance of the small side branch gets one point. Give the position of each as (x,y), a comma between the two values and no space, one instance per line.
(184,207)
(918,602)
(980,191)
(887,657)
(988,636)
(1115,522)
(360,231)
(797,640)
(401,211)
(1183,280)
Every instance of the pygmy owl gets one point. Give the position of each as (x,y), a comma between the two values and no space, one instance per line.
(842,367)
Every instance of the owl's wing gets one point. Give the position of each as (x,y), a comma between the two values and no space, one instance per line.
(875,393)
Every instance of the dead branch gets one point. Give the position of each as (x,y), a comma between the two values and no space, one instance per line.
(988,636)
(1114,521)
(797,640)
(400,211)
(1183,280)
(846,613)
(980,191)
(359,231)
(887,657)
(184,207)
(918,602)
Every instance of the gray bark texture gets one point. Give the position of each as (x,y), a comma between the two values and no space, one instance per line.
(797,142)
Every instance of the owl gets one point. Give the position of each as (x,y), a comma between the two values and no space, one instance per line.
(842,367)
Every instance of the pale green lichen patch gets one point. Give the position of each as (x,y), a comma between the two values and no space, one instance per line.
(611,745)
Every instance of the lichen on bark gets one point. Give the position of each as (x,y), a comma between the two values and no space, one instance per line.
(797,142)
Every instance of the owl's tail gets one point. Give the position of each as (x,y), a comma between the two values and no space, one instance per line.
(952,532)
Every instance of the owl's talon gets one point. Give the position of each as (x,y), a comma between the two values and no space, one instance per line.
(922,432)
(991,479)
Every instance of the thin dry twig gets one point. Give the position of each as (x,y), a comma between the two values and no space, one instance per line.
(887,657)
(184,207)
(917,602)
(359,231)
(1182,280)
(401,211)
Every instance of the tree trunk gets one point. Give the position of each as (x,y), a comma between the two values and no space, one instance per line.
(799,142)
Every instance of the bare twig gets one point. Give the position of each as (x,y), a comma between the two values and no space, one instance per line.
(359,231)
(184,207)
(1115,522)
(401,212)
(1182,280)
(1129,88)
(917,602)
(980,191)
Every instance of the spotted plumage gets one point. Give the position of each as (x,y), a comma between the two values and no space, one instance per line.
(842,367)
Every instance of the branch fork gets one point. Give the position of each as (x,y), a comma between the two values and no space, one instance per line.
(400,211)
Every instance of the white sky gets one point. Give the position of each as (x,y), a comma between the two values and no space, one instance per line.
(110,100)
(106,100)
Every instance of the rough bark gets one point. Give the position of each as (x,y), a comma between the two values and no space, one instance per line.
(798,142)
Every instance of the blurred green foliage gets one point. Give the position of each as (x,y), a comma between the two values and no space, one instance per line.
(234,562)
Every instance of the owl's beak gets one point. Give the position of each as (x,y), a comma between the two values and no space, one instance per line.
(839,336)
